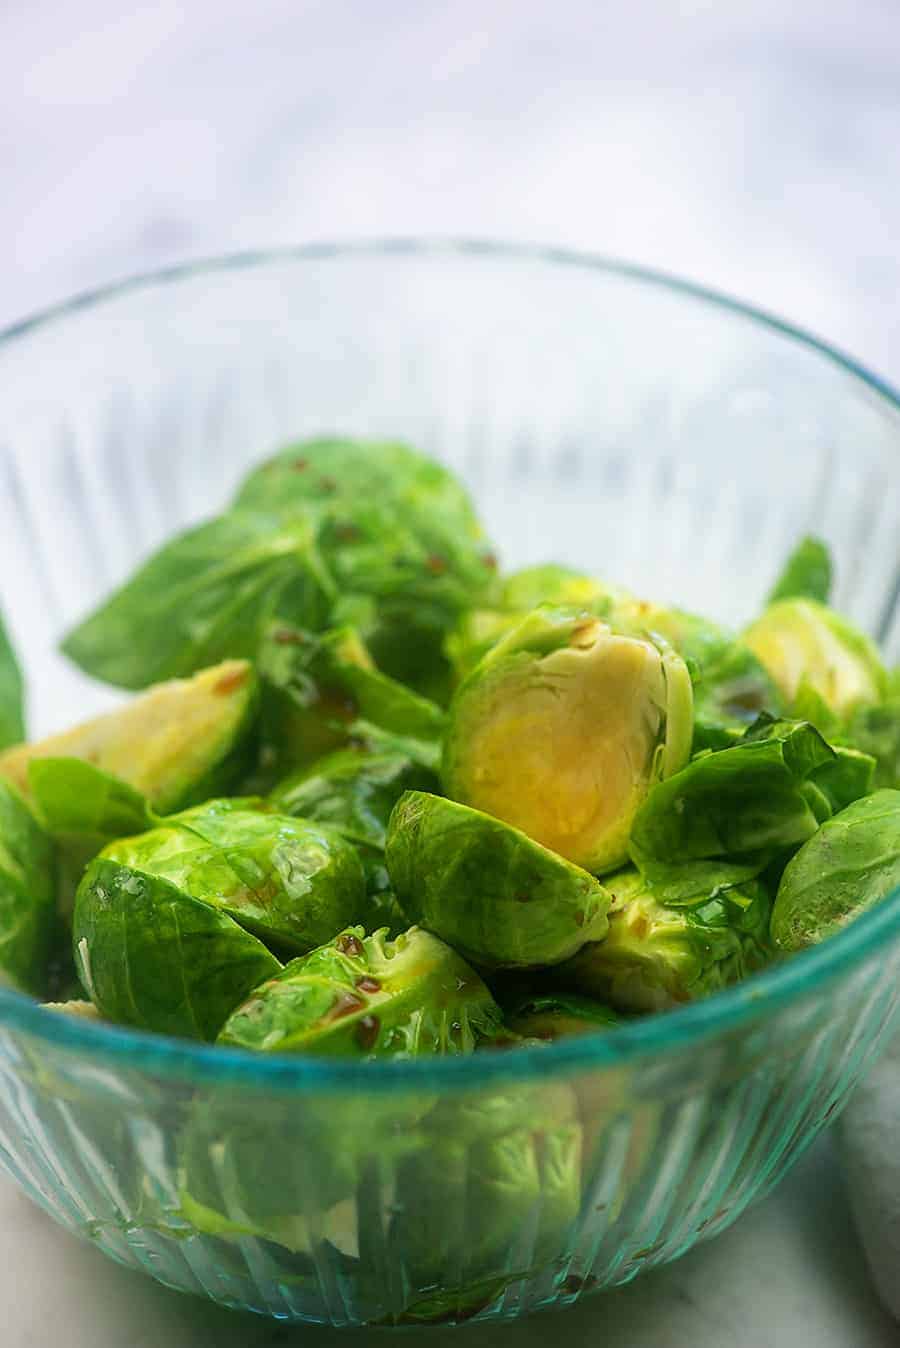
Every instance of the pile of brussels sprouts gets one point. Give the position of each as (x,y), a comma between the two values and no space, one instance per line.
(383,799)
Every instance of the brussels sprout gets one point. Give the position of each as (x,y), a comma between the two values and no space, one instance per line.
(289,881)
(851,864)
(368,996)
(561,699)
(803,644)
(494,1191)
(27,895)
(498,897)
(737,808)
(550,1015)
(660,952)
(204,596)
(806,574)
(177,744)
(513,599)
(254,1164)
(12,693)
(318,689)
(150,955)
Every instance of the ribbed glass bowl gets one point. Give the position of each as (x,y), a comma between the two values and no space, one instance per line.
(615,420)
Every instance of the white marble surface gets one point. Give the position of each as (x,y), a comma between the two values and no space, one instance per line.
(750,146)
(787,1275)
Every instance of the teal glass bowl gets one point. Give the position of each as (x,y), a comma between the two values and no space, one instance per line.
(616,420)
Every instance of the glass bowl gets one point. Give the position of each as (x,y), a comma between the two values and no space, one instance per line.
(606,417)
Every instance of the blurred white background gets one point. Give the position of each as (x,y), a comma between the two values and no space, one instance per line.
(750,144)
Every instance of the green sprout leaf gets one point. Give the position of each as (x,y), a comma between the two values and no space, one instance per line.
(12,693)
(851,864)
(806,574)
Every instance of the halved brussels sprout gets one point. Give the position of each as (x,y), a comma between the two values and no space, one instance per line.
(319,690)
(494,894)
(27,895)
(492,1193)
(555,1015)
(806,574)
(661,952)
(149,955)
(368,996)
(252,1164)
(291,882)
(12,693)
(851,864)
(205,595)
(805,645)
(562,729)
(738,808)
(177,744)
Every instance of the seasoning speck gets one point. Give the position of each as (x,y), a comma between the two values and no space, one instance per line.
(367,1031)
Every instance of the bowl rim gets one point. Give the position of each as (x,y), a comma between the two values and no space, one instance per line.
(805,973)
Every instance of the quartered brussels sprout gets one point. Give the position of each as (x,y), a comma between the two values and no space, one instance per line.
(493,1191)
(562,700)
(739,808)
(661,952)
(498,897)
(150,955)
(27,895)
(177,744)
(555,1015)
(12,693)
(807,647)
(805,575)
(205,595)
(368,996)
(851,864)
(319,691)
